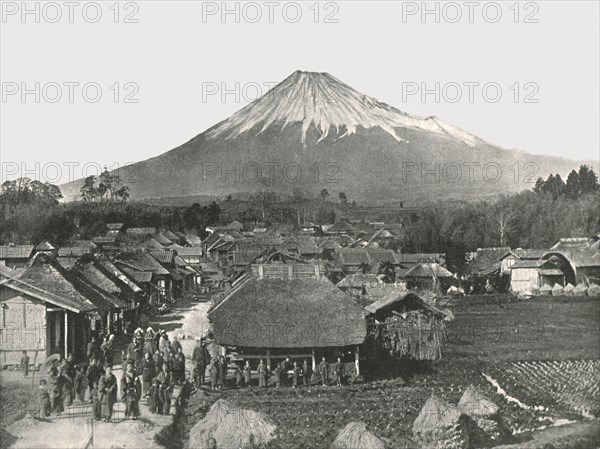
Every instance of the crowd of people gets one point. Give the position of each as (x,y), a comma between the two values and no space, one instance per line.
(153,364)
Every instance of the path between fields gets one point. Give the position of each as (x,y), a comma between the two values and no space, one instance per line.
(556,436)
(73,429)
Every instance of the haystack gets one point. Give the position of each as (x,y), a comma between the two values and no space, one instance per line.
(232,428)
(580,290)
(557,290)
(593,290)
(568,290)
(546,290)
(473,403)
(435,415)
(356,436)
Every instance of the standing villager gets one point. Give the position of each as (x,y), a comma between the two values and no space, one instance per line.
(201,359)
(107,349)
(176,345)
(93,374)
(149,341)
(158,361)
(285,366)
(277,376)
(55,388)
(154,395)
(67,374)
(107,389)
(323,371)
(148,373)
(247,374)
(238,376)
(214,374)
(262,374)
(130,386)
(339,372)
(25,363)
(306,373)
(166,379)
(92,349)
(157,336)
(163,343)
(44,399)
(222,371)
(79,384)
(295,374)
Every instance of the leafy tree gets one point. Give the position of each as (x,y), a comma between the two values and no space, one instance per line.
(365,268)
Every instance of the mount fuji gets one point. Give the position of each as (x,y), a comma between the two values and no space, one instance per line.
(314,132)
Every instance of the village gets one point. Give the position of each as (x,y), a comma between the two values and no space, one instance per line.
(324,307)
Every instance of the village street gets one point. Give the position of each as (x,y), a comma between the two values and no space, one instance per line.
(73,428)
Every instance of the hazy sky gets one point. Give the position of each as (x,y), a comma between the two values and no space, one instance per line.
(532,85)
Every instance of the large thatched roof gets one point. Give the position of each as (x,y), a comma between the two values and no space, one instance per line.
(356,436)
(403,300)
(288,313)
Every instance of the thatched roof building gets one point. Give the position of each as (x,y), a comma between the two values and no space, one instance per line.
(288,313)
(356,436)
(289,309)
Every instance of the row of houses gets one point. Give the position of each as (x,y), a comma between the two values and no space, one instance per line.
(55,299)
(569,261)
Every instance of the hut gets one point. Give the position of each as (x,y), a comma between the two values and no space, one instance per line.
(404,324)
(15,256)
(281,310)
(577,258)
(428,276)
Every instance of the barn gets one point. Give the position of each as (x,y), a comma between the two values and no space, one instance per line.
(527,275)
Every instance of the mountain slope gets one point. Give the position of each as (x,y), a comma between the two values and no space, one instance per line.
(312,132)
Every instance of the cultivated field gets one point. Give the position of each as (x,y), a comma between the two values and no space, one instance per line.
(537,360)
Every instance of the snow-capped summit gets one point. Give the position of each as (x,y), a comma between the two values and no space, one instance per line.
(332,107)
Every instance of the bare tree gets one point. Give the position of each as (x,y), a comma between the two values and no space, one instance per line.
(504,225)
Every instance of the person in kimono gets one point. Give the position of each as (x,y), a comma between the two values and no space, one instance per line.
(306,373)
(339,372)
(158,360)
(180,359)
(176,345)
(295,374)
(238,376)
(154,402)
(44,399)
(262,374)
(107,349)
(25,363)
(107,389)
(167,381)
(67,375)
(130,386)
(201,359)
(149,341)
(80,384)
(247,374)
(148,373)
(214,374)
(285,366)
(222,372)
(163,343)
(323,371)
(277,376)
(54,379)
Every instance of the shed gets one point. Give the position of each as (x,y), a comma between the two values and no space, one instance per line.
(527,275)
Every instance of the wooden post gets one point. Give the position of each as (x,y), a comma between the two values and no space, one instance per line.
(420,339)
(314,361)
(356,360)
(269,358)
(66,344)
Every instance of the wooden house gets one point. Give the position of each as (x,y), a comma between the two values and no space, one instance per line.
(46,310)
(528,275)
(428,276)
(15,256)
(577,258)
